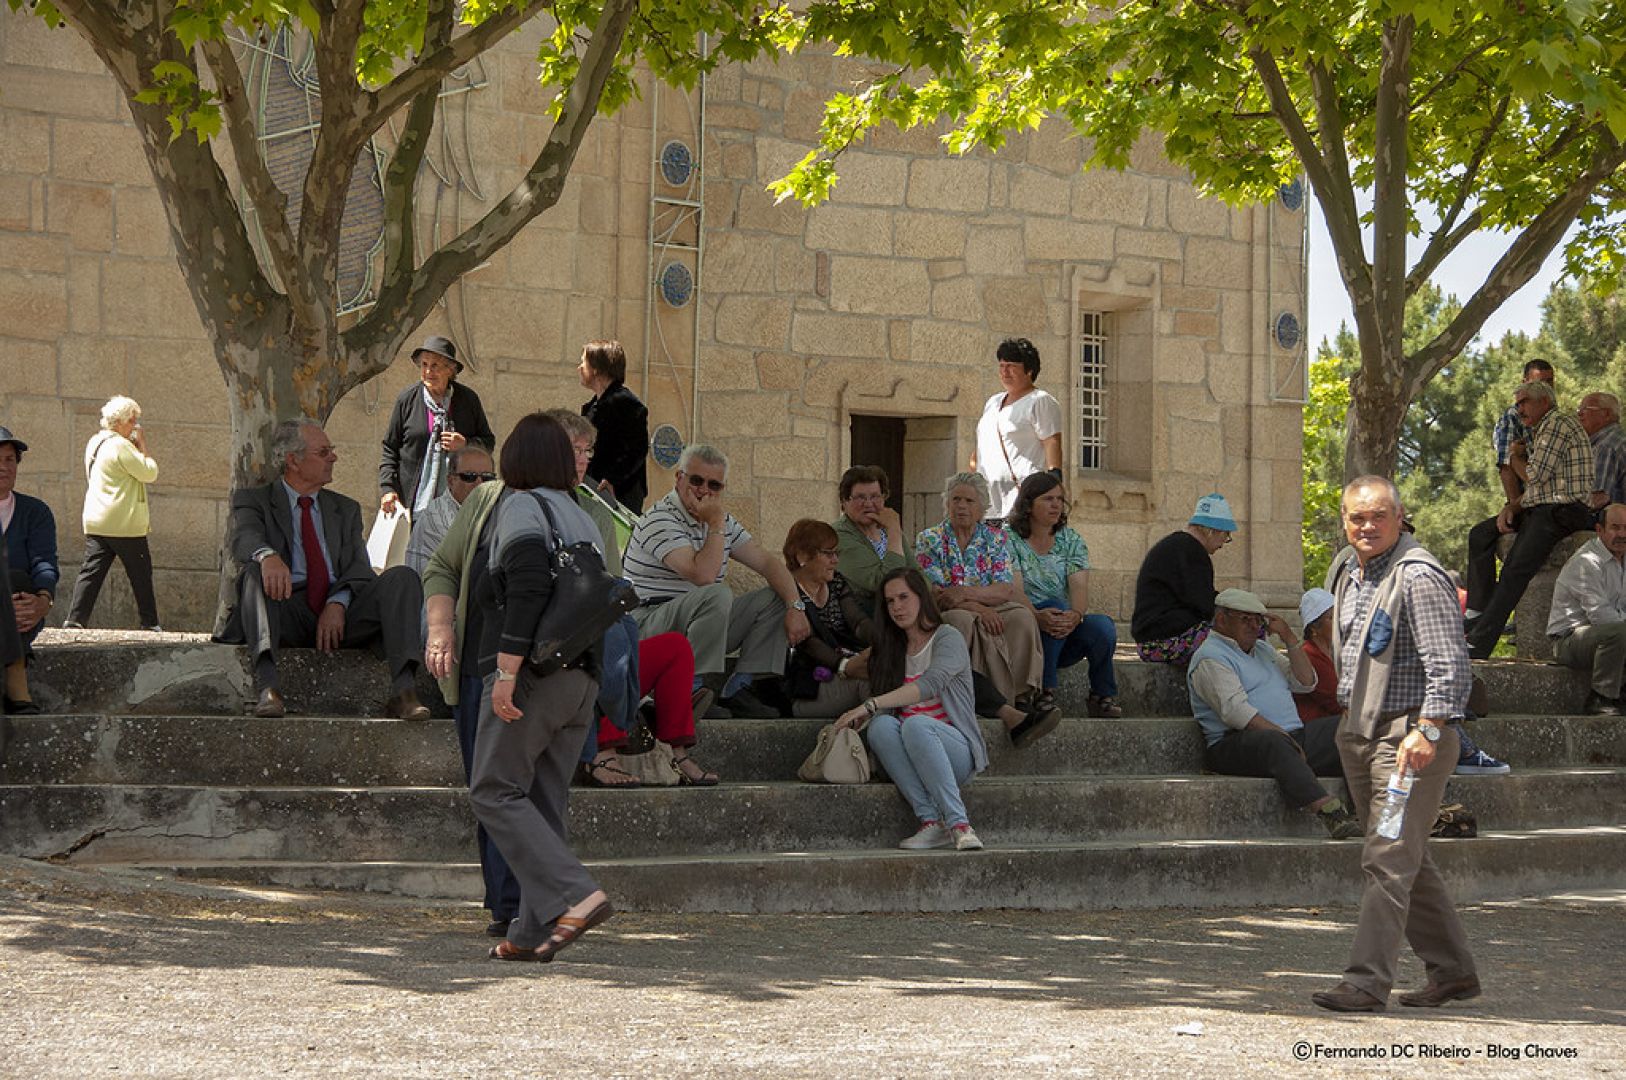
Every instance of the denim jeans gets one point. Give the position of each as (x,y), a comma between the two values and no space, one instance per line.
(1094,640)
(928,760)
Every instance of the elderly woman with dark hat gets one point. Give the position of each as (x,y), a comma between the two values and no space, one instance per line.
(433,418)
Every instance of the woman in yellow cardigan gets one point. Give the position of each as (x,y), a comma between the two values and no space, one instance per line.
(117,472)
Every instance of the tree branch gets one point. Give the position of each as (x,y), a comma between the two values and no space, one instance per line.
(1448,236)
(269,200)
(1391,162)
(441,61)
(401,178)
(1327,167)
(403,305)
(1517,265)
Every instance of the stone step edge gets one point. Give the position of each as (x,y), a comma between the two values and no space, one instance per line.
(382,722)
(889,853)
(1031,780)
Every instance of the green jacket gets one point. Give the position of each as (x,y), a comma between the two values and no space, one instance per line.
(447,573)
(860,565)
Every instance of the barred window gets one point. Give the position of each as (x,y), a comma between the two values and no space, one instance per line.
(1094,330)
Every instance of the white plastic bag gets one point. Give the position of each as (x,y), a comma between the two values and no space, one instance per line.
(387,539)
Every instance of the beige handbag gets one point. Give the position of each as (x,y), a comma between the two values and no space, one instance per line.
(839,757)
(654,767)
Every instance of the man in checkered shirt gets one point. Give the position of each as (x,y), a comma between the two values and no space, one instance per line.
(1511,432)
(1558,471)
(1599,415)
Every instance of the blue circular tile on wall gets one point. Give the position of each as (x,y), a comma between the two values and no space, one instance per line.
(677,284)
(1287,330)
(1292,194)
(666,445)
(677,163)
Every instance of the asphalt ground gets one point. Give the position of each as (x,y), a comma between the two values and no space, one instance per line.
(114,976)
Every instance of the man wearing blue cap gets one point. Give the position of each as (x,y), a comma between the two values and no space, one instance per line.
(1174,592)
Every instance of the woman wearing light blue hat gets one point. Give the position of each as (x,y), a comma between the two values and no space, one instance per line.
(1315,615)
(1174,592)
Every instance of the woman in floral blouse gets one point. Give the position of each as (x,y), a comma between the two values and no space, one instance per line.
(1055,568)
(975,584)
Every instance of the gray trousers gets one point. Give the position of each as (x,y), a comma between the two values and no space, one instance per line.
(835,697)
(717,623)
(1600,648)
(1404,897)
(518,783)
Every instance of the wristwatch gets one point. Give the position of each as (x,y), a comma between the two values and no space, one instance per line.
(505,676)
(1429,730)
(799,605)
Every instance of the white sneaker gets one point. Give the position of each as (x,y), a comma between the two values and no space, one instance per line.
(966,839)
(929,836)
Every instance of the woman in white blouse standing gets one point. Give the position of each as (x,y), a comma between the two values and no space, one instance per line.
(1020,430)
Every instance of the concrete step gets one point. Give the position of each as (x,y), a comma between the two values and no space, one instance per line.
(129,822)
(1078,876)
(244,752)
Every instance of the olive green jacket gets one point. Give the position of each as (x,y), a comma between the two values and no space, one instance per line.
(447,572)
(862,568)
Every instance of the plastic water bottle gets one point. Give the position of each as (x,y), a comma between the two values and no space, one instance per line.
(1393,812)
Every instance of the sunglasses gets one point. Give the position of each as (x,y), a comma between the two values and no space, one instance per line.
(476,477)
(713,486)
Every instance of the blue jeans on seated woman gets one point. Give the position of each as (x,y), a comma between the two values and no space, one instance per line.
(1094,640)
(928,760)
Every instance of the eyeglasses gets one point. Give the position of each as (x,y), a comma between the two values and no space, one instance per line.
(476,477)
(1247,617)
(701,482)
(830,553)
(867,498)
(583,452)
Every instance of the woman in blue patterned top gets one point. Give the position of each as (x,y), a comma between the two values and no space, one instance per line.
(968,564)
(1055,568)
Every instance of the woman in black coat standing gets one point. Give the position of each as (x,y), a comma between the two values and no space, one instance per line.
(622,423)
(433,418)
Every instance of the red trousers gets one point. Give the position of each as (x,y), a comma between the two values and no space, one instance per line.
(665,669)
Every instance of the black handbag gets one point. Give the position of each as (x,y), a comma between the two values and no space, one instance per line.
(586,601)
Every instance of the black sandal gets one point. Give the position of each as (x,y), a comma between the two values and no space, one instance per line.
(705,779)
(592,778)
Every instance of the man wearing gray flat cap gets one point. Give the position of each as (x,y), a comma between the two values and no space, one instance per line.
(1242,694)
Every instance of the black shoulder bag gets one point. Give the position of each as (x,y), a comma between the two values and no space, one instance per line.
(586,601)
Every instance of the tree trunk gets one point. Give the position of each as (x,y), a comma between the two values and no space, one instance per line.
(1377,409)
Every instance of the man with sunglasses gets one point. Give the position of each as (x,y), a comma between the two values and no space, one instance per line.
(1242,694)
(677,559)
(469,468)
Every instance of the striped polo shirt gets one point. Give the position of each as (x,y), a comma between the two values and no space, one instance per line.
(661,530)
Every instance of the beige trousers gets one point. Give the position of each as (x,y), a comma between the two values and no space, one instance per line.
(1404,897)
(1012,659)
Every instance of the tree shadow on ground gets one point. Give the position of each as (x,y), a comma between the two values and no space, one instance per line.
(1554,962)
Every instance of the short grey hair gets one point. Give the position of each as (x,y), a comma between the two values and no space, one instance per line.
(1372,480)
(575,424)
(456,458)
(118,410)
(704,453)
(972,480)
(289,438)
(1536,391)
(1609,403)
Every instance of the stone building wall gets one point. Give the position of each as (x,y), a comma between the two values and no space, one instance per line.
(888,301)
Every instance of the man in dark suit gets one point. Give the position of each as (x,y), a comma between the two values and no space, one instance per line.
(306,579)
(29,531)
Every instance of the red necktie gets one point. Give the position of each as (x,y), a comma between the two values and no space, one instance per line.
(316,577)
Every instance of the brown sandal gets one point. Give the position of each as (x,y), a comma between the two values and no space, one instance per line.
(569,928)
(507,950)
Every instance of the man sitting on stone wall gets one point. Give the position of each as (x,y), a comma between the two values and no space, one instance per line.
(1588,620)
(1558,473)
(1242,694)
(1599,415)
(29,530)
(468,468)
(1512,435)
(306,579)
(677,558)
